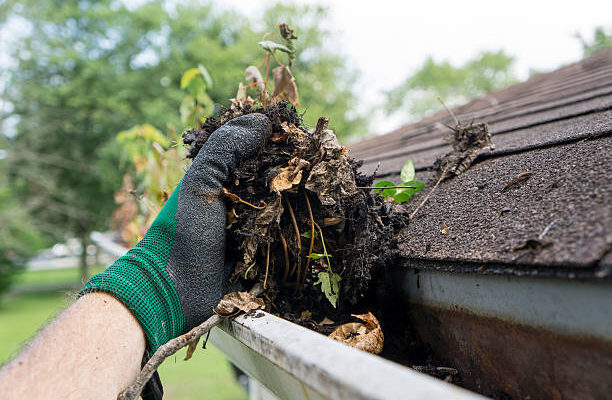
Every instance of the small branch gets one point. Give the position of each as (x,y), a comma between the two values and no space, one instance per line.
(171,347)
(386,187)
(298,263)
(449,111)
(236,199)
(429,194)
(295,225)
(284,243)
(267,265)
(133,391)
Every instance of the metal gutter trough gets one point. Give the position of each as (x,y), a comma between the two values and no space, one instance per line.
(292,362)
(286,361)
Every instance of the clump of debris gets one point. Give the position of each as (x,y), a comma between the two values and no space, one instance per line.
(304,222)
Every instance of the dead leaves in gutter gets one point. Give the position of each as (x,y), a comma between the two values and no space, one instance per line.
(366,335)
(233,303)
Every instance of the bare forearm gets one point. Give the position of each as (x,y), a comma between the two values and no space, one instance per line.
(92,350)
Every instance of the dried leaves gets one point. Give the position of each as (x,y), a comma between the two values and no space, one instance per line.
(366,335)
(233,303)
(332,178)
(284,85)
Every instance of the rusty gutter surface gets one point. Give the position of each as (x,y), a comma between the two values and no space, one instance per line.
(515,337)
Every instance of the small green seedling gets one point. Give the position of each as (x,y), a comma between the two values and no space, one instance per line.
(329,280)
(401,193)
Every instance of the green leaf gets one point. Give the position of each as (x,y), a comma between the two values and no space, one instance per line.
(330,286)
(386,192)
(416,187)
(189,76)
(205,75)
(308,236)
(316,256)
(271,46)
(408,172)
(402,197)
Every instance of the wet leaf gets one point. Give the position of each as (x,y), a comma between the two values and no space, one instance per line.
(287,178)
(233,303)
(366,335)
(331,221)
(407,173)
(330,286)
(284,85)
(331,181)
(445,229)
(252,74)
(190,349)
(269,45)
(306,315)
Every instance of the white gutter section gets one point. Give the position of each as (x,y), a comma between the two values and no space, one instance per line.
(296,363)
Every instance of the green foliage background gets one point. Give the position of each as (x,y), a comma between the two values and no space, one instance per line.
(418,94)
(87,70)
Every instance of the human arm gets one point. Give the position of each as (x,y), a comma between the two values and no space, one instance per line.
(176,274)
(91,350)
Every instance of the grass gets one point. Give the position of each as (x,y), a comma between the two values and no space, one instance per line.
(206,376)
(52,276)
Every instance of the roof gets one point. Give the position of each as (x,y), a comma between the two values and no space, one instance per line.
(557,127)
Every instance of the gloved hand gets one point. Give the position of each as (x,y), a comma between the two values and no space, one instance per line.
(175,275)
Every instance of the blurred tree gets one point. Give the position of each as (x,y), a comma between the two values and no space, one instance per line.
(18,237)
(601,40)
(88,69)
(455,85)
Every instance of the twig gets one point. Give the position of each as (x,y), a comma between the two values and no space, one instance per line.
(267,265)
(171,347)
(236,199)
(135,388)
(386,187)
(312,237)
(284,243)
(545,231)
(449,111)
(429,194)
(298,264)
(295,225)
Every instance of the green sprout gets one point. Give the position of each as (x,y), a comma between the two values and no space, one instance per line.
(329,280)
(401,193)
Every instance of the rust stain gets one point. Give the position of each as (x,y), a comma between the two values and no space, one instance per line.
(502,359)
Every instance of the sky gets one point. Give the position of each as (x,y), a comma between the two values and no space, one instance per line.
(540,34)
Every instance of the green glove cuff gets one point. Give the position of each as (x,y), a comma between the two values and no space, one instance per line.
(141,282)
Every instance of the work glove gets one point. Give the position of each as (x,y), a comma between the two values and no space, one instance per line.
(176,274)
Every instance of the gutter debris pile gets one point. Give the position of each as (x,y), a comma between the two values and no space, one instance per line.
(299,223)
